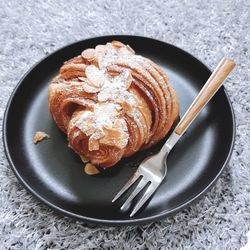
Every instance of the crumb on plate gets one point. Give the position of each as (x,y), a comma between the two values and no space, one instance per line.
(39,136)
(91,169)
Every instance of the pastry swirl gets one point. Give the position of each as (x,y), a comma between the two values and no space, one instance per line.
(112,103)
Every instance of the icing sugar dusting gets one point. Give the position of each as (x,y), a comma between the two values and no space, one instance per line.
(103,124)
(115,89)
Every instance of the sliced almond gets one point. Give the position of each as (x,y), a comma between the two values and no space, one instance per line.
(91,169)
(39,136)
(124,51)
(118,138)
(84,121)
(99,133)
(118,107)
(130,49)
(111,141)
(124,79)
(100,51)
(93,144)
(120,124)
(89,129)
(83,79)
(88,54)
(117,44)
(103,95)
(95,76)
(90,89)
(118,135)
(126,107)
(69,71)
(129,80)
(122,143)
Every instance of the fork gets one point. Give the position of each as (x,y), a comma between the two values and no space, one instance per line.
(153,169)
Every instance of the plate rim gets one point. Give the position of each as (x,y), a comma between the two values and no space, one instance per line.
(92,220)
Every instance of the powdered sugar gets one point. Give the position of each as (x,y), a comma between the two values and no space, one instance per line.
(115,89)
(104,123)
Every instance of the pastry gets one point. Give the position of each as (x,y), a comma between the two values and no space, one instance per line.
(112,103)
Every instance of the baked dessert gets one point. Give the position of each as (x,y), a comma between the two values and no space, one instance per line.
(112,103)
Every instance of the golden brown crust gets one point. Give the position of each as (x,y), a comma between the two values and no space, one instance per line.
(111,103)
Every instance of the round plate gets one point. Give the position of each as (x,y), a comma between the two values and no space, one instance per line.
(54,173)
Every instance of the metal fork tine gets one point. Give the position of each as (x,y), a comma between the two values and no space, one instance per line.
(150,190)
(130,182)
(136,191)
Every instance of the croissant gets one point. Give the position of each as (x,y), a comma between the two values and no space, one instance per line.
(112,103)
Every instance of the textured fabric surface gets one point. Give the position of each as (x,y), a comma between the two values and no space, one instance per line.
(29,30)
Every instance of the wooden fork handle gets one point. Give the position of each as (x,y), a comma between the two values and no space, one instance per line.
(212,85)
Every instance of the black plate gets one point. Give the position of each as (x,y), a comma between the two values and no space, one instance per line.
(54,174)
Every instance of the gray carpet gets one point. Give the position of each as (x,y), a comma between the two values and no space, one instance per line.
(29,30)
